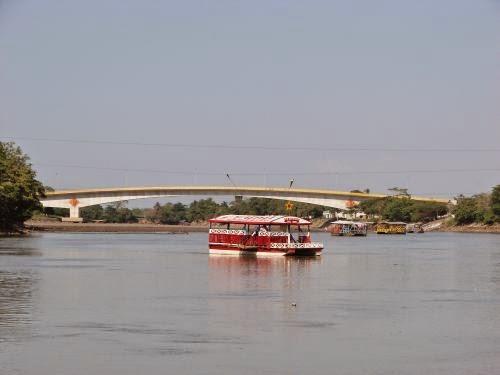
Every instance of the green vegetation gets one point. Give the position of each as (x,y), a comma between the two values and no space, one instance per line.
(20,194)
(196,211)
(118,213)
(56,211)
(92,213)
(495,201)
(480,208)
(403,209)
(20,191)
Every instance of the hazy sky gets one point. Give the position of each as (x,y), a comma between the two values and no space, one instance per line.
(316,74)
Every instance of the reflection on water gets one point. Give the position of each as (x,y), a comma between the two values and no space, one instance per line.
(16,302)
(256,274)
(260,266)
(17,286)
(19,251)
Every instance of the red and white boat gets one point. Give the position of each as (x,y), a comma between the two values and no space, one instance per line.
(261,235)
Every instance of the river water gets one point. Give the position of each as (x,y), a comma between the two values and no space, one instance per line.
(159,304)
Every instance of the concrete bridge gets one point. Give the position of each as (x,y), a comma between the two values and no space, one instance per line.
(78,198)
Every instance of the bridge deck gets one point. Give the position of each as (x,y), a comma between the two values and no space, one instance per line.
(225,190)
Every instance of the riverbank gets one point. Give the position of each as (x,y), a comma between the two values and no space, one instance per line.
(36,226)
(474,228)
(445,226)
(57,226)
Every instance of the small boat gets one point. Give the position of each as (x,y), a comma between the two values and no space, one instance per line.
(348,228)
(414,228)
(391,227)
(261,235)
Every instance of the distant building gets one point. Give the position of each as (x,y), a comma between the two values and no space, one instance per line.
(346,215)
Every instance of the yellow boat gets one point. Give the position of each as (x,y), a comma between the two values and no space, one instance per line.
(391,227)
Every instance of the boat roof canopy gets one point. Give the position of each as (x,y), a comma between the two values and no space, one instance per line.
(348,222)
(259,220)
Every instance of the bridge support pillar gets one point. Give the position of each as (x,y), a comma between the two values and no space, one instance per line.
(74,215)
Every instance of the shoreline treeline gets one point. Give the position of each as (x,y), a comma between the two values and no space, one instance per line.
(482,208)
(195,212)
(20,191)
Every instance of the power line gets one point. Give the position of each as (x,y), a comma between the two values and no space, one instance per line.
(230,180)
(252,147)
(116,169)
(214,173)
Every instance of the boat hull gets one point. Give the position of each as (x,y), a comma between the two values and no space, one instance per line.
(263,252)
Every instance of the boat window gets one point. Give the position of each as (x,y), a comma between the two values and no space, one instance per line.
(219,225)
(295,230)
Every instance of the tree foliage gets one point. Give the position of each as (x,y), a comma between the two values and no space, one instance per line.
(495,201)
(466,211)
(203,209)
(197,211)
(480,208)
(398,210)
(403,209)
(92,213)
(20,191)
(173,213)
(118,213)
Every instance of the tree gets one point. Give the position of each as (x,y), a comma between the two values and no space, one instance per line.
(92,213)
(398,209)
(495,201)
(118,213)
(204,209)
(173,213)
(56,211)
(20,191)
(466,211)
(373,206)
(427,211)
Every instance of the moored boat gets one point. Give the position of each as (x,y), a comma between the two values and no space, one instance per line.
(348,228)
(391,227)
(261,235)
(414,228)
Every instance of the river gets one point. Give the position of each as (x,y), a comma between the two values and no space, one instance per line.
(159,304)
